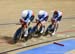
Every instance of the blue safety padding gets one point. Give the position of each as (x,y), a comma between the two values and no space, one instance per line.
(52,48)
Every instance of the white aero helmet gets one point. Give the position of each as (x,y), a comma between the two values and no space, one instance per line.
(24,13)
(41,13)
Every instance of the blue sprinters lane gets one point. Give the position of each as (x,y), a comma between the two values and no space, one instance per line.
(52,48)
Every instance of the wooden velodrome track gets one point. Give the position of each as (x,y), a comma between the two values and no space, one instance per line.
(10,11)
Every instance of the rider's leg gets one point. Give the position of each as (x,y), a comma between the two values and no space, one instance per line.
(56,27)
(42,27)
(26,30)
(53,22)
(53,33)
(57,24)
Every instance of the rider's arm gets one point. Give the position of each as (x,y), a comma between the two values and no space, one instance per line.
(21,20)
(46,18)
(32,18)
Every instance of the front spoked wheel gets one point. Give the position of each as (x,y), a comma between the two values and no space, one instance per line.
(17,35)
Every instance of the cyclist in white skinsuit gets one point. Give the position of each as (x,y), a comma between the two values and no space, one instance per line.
(42,19)
(27,16)
(55,20)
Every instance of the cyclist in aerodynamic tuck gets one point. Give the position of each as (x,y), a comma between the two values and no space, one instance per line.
(40,21)
(27,16)
(55,20)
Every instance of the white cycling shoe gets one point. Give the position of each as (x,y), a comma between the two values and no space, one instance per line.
(53,33)
(26,34)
